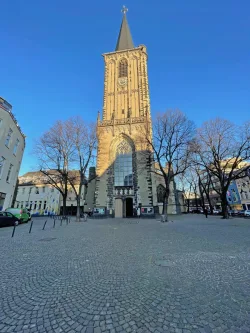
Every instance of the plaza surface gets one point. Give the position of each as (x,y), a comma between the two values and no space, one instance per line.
(189,275)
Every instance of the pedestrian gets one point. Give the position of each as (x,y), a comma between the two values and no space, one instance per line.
(139,212)
(85,217)
(205,212)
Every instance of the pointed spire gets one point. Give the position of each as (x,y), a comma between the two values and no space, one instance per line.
(124,41)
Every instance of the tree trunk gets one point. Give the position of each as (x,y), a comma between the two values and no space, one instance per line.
(209,202)
(165,207)
(202,200)
(64,204)
(224,206)
(196,201)
(78,208)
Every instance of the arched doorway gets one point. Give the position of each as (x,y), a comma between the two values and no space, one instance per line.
(129,207)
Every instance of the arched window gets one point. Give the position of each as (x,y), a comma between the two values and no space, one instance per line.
(160,193)
(123,68)
(123,165)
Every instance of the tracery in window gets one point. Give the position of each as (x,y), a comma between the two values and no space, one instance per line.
(123,165)
(123,68)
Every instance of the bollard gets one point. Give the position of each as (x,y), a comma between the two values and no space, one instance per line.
(44,224)
(13,232)
(54,223)
(31,226)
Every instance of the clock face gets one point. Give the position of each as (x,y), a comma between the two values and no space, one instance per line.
(122,81)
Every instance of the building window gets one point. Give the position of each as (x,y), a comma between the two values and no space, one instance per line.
(2,159)
(40,205)
(31,203)
(7,141)
(123,165)
(37,190)
(16,146)
(35,205)
(160,193)
(123,68)
(21,204)
(43,189)
(9,173)
(44,205)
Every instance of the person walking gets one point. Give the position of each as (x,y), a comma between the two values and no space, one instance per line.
(205,212)
(139,212)
(85,217)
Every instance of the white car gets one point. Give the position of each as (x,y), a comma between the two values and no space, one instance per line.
(247,213)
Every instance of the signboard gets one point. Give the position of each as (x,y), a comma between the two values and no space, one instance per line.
(233,196)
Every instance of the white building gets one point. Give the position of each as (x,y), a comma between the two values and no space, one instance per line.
(12,143)
(41,198)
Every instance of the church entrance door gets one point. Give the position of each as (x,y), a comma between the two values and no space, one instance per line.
(118,208)
(129,207)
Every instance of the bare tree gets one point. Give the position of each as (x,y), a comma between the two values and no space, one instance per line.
(64,153)
(169,146)
(205,186)
(223,149)
(84,144)
(189,184)
(54,150)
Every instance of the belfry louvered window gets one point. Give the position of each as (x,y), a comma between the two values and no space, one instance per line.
(123,68)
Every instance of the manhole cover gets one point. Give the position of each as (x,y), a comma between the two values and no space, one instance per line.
(47,239)
(164,263)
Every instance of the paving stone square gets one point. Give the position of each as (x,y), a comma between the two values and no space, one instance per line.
(113,275)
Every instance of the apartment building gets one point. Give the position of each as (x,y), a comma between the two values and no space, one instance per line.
(12,144)
(41,198)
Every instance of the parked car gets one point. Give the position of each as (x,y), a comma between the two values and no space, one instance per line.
(233,212)
(196,211)
(20,213)
(241,212)
(8,219)
(247,213)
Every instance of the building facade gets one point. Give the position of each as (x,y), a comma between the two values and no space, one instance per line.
(12,144)
(41,198)
(238,194)
(125,180)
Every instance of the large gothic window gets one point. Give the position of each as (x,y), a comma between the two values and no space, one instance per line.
(123,165)
(123,68)
(160,193)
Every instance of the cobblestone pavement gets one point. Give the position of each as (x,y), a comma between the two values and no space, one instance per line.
(192,275)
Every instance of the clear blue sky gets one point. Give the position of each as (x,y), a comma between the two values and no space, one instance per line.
(52,68)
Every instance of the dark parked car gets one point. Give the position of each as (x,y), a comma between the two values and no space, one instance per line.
(7,219)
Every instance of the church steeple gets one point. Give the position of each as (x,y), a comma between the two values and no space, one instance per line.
(124,41)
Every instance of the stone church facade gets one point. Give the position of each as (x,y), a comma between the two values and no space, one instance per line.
(125,180)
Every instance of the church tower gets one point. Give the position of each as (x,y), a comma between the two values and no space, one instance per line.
(124,180)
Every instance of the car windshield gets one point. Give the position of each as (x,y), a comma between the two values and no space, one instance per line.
(13,210)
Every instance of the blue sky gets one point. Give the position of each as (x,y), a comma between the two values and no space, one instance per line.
(52,68)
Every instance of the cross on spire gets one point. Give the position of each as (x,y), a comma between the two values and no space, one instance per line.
(124,9)
(124,41)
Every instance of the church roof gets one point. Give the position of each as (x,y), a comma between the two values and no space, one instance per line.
(124,41)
